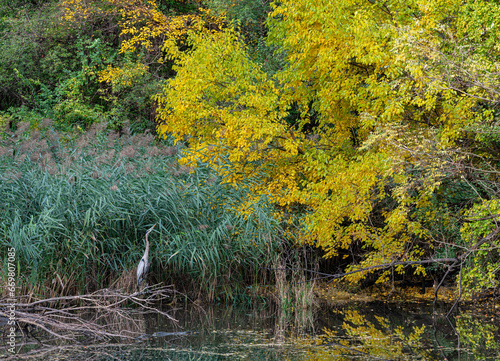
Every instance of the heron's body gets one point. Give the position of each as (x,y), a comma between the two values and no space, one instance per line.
(142,270)
(143,267)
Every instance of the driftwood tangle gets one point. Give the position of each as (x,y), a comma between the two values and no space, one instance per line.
(106,315)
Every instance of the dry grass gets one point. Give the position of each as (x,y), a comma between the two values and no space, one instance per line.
(127,281)
(337,294)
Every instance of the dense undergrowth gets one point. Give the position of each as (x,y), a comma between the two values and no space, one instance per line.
(76,209)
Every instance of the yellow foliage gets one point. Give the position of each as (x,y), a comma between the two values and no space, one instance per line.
(147,28)
(124,76)
(227,109)
(375,74)
(143,27)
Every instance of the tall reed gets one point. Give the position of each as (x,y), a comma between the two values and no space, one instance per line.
(76,209)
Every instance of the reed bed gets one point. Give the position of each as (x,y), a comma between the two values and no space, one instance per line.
(76,208)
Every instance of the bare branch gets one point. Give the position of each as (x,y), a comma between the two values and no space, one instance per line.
(98,316)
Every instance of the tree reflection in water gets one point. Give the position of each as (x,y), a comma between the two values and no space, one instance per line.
(363,333)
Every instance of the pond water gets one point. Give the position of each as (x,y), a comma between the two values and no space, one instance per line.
(367,331)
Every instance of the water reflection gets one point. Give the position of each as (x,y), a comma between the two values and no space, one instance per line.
(365,331)
(368,331)
(479,335)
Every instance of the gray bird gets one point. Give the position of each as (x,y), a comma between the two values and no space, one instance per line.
(143,267)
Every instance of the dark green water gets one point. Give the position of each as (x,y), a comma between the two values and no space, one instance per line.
(374,331)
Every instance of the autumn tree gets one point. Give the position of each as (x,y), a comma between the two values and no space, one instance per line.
(365,128)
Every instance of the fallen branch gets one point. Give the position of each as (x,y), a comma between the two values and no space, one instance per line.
(81,319)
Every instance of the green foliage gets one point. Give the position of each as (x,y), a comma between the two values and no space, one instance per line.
(52,67)
(250,18)
(251,15)
(20,41)
(14,8)
(482,270)
(77,97)
(127,91)
(169,7)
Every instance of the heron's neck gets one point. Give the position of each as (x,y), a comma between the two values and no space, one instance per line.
(146,252)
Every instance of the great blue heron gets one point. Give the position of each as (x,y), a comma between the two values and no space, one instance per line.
(143,267)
